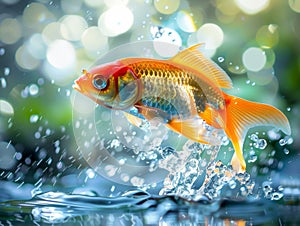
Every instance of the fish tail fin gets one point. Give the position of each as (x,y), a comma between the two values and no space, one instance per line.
(242,115)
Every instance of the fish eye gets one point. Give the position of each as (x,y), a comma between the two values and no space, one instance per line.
(99,82)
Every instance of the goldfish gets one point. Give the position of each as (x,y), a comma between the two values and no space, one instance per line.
(179,91)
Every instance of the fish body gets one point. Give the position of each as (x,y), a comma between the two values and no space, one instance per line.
(179,91)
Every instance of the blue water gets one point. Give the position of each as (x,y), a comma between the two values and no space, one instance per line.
(137,207)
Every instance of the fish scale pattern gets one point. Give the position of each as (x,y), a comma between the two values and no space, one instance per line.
(173,90)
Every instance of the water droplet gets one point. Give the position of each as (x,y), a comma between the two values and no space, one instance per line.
(232,184)
(252,158)
(221,59)
(33,89)
(282,142)
(6,71)
(37,190)
(254,137)
(37,135)
(90,173)
(286,151)
(276,196)
(40,81)
(59,165)
(34,118)
(290,140)
(3,82)
(261,144)
(2,51)
(112,189)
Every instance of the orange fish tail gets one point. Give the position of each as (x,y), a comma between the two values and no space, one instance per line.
(242,115)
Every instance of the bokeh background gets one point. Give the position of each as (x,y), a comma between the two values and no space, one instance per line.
(44,45)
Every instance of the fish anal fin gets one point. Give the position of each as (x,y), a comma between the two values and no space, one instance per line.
(242,115)
(193,58)
(153,115)
(193,129)
(210,115)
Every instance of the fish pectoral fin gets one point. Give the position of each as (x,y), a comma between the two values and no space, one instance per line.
(242,115)
(134,120)
(193,58)
(193,129)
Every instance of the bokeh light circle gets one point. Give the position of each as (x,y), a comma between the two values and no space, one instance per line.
(267,36)
(6,108)
(295,5)
(72,27)
(52,32)
(71,6)
(115,21)
(10,31)
(36,16)
(36,46)
(211,35)
(262,77)
(254,59)
(252,6)
(93,3)
(166,6)
(25,60)
(93,40)
(61,54)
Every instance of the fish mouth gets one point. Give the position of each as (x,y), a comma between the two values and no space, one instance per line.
(77,87)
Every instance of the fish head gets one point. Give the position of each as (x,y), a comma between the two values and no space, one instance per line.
(111,85)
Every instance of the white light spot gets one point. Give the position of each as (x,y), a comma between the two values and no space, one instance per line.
(252,6)
(6,108)
(72,27)
(211,35)
(61,54)
(254,59)
(115,21)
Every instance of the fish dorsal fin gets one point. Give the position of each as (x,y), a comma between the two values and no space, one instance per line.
(193,58)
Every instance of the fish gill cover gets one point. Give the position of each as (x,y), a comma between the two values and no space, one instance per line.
(63,158)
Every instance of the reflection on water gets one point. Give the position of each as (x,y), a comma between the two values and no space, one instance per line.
(137,207)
